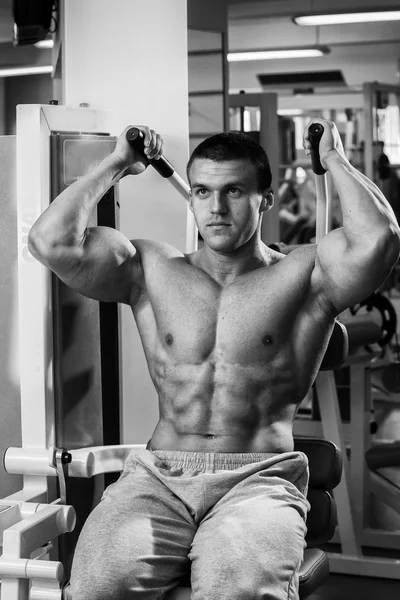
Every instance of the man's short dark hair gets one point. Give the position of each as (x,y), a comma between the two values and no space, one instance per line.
(234,145)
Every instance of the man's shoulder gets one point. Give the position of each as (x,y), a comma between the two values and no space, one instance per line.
(153,253)
(300,250)
(295,272)
(300,257)
(149,249)
(317,305)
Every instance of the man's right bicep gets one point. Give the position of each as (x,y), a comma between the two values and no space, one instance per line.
(106,266)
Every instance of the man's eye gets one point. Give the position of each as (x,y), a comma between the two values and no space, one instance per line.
(234,191)
(202,192)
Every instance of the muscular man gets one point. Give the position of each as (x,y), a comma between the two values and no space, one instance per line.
(234,335)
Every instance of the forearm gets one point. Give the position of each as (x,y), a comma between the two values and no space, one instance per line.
(376,190)
(367,215)
(65,221)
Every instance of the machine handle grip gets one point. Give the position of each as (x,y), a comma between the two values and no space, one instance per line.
(136,139)
(315,132)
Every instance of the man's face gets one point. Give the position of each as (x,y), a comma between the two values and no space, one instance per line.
(226,202)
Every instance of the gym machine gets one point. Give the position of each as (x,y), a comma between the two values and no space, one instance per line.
(69,384)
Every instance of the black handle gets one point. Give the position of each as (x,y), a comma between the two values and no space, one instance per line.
(315,132)
(136,138)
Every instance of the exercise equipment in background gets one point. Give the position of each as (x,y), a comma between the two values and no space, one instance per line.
(387,313)
(353,493)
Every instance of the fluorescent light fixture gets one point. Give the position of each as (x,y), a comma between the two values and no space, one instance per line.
(16,71)
(290,112)
(278,54)
(44,44)
(349,17)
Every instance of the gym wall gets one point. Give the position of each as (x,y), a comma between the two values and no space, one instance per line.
(136,66)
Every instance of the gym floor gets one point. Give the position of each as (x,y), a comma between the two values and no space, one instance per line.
(352,587)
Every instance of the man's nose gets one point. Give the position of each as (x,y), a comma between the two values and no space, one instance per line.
(218,204)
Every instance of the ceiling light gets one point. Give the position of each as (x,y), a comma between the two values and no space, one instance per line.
(278,54)
(290,112)
(350,17)
(44,44)
(16,71)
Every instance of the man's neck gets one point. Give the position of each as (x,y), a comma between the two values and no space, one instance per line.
(225,267)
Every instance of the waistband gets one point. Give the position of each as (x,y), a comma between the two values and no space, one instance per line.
(214,459)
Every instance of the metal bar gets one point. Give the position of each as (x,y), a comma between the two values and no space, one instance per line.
(182,186)
(323,209)
(359,420)
(365,566)
(208,93)
(192,233)
(225,79)
(269,140)
(368,92)
(386,491)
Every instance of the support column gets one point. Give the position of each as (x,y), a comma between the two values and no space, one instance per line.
(2,106)
(131,56)
(269,140)
(368,92)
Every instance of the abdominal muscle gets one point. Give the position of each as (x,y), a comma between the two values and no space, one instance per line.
(230,363)
(223,408)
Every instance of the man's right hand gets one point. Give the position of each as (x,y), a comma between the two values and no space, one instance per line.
(133,161)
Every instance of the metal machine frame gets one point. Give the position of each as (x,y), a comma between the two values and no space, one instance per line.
(35,515)
(34,124)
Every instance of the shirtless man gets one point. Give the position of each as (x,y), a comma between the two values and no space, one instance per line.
(234,335)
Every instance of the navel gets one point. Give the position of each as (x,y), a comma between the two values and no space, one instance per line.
(169,339)
(267,340)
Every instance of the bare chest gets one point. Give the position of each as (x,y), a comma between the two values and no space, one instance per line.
(194,319)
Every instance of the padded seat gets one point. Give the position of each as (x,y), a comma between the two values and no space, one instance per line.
(362,333)
(325,465)
(314,570)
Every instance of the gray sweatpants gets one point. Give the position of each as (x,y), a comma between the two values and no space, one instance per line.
(238,520)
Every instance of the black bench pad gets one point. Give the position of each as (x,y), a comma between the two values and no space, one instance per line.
(314,570)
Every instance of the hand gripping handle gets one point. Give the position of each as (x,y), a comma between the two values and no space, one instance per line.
(315,132)
(136,138)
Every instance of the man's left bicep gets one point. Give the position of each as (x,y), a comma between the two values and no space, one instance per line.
(344,276)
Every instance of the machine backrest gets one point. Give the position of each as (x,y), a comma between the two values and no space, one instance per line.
(325,465)
(338,348)
(346,339)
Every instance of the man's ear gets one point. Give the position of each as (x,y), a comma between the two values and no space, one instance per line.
(267,201)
